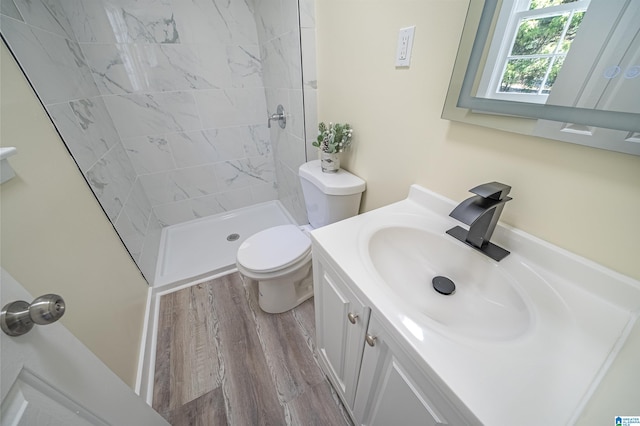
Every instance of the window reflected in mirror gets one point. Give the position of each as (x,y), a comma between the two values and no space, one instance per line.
(531,40)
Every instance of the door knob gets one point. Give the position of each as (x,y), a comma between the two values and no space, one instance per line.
(18,317)
(352,317)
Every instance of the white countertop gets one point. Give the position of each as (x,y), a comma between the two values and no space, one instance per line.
(544,376)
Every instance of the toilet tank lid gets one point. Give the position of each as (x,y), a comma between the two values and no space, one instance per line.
(340,183)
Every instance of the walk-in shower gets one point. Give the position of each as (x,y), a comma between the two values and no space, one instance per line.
(164,106)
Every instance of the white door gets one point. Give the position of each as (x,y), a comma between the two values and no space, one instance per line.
(50,378)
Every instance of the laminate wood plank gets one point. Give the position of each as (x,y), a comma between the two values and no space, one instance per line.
(162,375)
(247,384)
(222,360)
(194,366)
(318,406)
(206,410)
(305,315)
(291,364)
(207,373)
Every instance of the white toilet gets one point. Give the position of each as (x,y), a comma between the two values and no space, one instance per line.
(279,258)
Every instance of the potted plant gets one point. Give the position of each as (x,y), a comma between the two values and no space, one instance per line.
(332,140)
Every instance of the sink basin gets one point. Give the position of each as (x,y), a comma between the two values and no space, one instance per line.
(487,302)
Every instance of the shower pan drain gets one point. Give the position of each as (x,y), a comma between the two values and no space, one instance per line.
(233,237)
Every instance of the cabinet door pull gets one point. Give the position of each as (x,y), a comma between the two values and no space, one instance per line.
(371,341)
(352,318)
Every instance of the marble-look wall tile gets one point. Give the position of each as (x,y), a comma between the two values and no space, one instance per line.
(281,62)
(230,22)
(308,41)
(46,15)
(135,68)
(311,120)
(207,146)
(269,20)
(265,192)
(149,256)
(153,114)
(138,208)
(122,21)
(8,8)
(193,182)
(291,151)
(296,102)
(290,18)
(231,107)
(142,21)
(221,202)
(84,151)
(290,193)
(89,20)
(245,172)
(132,237)
(149,154)
(174,213)
(156,187)
(180,184)
(55,65)
(95,121)
(256,140)
(245,65)
(307,13)
(111,179)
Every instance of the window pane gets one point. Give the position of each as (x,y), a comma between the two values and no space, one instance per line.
(539,4)
(553,74)
(571,32)
(524,75)
(539,36)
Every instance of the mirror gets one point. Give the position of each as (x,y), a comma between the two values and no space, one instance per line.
(561,69)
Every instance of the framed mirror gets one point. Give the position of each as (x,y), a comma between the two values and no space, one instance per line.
(567,70)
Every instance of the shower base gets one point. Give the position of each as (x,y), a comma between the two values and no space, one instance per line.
(204,247)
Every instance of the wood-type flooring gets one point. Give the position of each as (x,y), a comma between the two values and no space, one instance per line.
(221,360)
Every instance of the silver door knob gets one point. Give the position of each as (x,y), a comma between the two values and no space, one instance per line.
(18,317)
(352,317)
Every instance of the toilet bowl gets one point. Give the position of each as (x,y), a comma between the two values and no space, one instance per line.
(279,258)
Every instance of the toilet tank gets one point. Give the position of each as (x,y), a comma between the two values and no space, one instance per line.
(329,197)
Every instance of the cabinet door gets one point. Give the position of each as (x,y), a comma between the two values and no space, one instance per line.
(392,389)
(341,323)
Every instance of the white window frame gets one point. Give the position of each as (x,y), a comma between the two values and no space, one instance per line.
(512,12)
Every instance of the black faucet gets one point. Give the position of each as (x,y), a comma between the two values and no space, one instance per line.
(481,213)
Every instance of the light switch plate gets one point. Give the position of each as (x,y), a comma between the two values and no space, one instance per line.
(405,43)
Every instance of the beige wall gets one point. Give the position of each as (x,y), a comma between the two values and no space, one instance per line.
(582,199)
(55,238)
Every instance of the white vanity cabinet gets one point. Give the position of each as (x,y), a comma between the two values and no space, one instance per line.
(341,324)
(376,377)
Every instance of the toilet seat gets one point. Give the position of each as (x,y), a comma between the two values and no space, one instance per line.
(274,249)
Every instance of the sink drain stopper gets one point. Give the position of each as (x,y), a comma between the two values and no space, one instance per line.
(443,285)
(233,237)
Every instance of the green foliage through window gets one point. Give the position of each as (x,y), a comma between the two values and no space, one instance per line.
(539,48)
